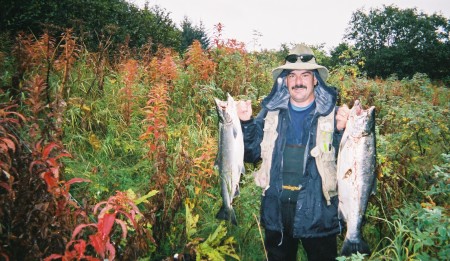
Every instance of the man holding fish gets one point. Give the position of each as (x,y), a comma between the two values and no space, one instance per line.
(297,135)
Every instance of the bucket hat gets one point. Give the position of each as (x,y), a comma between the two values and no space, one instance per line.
(301,57)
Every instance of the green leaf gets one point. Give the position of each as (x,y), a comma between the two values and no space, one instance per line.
(216,248)
(191,221)
(145,197)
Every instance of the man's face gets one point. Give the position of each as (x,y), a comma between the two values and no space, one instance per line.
(301,87)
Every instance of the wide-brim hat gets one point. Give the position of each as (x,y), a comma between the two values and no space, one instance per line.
(302,52)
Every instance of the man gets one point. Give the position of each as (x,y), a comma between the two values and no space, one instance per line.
(299,202)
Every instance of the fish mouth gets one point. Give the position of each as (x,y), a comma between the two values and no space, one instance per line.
(357,108)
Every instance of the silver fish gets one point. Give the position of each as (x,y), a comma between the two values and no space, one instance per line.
(230,156)
(356,175)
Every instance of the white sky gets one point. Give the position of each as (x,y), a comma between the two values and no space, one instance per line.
(284,21)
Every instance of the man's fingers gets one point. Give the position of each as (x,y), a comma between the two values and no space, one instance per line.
(244,109)
(344,111)
(244,105)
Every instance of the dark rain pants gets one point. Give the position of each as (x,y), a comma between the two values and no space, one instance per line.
(317,249)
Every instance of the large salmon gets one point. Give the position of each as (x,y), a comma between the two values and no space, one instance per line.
(356,175)
(230,156)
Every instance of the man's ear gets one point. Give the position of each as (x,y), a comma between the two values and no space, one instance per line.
(315,81)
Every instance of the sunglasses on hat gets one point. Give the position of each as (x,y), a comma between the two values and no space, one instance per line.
(292,58)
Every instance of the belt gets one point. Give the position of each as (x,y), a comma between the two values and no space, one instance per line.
(292,188)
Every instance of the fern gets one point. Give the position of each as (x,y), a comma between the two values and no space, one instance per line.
(191,221)
(216,246)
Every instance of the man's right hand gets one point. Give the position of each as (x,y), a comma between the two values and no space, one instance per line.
(244,110)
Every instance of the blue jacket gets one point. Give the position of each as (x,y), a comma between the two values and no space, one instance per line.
(313,218)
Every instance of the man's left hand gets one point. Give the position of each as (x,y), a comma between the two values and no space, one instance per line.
(342,117)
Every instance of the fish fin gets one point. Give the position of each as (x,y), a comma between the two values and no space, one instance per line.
(242,169)
(217,160)
(227,214)
(374,187)
(349,248)
(237,192)
(344,139)
(235,132)
(341,215)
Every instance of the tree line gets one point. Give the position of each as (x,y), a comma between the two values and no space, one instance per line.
(381,42)
(96,20)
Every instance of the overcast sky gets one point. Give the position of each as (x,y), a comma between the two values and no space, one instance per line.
(283,21)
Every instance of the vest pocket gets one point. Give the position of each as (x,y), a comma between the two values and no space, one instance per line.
(325,155)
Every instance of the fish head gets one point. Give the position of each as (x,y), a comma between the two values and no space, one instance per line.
(224,110)
(360,121)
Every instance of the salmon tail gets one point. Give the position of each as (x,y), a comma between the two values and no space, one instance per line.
(349,248)
(227,214)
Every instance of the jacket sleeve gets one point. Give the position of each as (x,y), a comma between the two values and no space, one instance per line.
(252,131)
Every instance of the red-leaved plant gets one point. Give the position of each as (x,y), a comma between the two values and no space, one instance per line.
(8,145)
(162,73)
(199,66)
(35,53)
(110,214)
(69,53)
(129,70)
(231,74)
(47,166)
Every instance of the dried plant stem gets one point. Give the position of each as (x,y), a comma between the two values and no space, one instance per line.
(261,235)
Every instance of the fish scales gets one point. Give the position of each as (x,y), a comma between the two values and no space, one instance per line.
(230,156)
(356,175)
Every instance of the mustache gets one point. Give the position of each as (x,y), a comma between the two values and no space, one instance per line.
(298,87)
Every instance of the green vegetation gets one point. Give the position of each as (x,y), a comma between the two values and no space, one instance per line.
(93,21)
(403,42)
(109,153)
